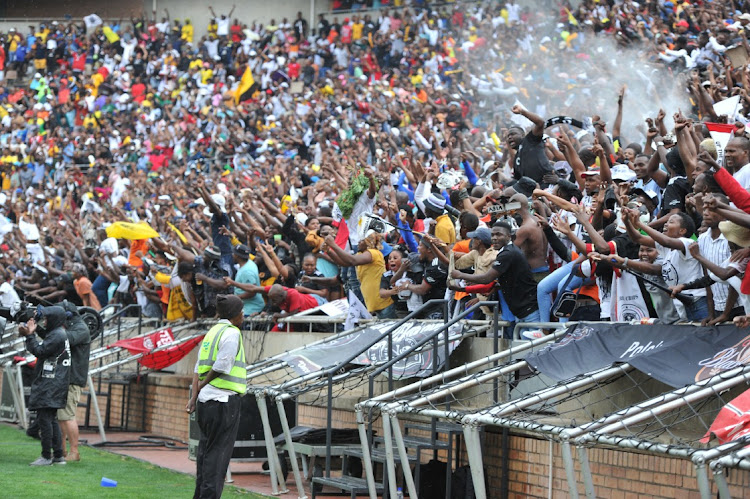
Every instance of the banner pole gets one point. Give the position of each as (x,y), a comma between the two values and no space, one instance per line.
(369,473)
(97,412)
(474,452)
(569,469)
(720,479)
(290,449)
(273,465)
(22,397)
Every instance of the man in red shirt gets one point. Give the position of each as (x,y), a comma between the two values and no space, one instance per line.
(293,69)
(290,300)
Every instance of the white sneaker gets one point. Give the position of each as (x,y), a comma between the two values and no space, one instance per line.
(59,460)
(534,334)
(41,461)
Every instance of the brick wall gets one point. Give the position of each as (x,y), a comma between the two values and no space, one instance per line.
(616,473)
(166,396)
(165,399)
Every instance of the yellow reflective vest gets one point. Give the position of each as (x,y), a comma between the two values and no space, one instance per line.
(236,380)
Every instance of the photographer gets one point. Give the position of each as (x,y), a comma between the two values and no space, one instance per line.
(49,389)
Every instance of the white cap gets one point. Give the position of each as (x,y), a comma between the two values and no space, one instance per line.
(623,173)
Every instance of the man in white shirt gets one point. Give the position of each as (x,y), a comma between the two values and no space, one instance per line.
(8,295)
(715,248)
(737,160)
(218,384)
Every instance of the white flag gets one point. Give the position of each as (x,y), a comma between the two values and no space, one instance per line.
(92,21)
(627,303)
(357,311)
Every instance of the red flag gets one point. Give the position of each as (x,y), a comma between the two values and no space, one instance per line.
(170,355)
(342,236)
(157,339)
(143,344)
(732,422)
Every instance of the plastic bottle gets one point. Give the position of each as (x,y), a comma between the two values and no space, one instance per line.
(399,493)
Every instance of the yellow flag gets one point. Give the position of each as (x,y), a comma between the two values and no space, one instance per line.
(246,82)
(112,37)
(129,230)
(571,19)
(177,231)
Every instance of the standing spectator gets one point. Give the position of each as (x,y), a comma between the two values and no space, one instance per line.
(513,275)
(79,339)
(247,274)
(370,265)
(84,288)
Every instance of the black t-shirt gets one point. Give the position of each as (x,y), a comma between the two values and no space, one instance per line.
(310,285)
(531,159)
(674,195)
(436,275)
(516,281)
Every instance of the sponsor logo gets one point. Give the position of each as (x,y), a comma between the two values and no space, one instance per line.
(729,358)
(578,333)
(630,312)
(635,349)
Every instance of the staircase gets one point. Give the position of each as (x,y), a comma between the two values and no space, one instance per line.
(419,450)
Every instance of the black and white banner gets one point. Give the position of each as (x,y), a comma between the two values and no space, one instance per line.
(677,355)
(317,357)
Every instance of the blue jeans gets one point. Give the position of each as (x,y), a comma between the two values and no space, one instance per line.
(550,284)
(698,310)
(351,283)
(99,287)
(319,299)
(388,312)
(532,317)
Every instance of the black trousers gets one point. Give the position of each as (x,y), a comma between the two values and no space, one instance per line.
(219,422)
(50,431)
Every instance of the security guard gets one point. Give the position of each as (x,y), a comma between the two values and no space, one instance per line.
(220,379)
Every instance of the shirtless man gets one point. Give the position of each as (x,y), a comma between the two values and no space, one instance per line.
(531,240)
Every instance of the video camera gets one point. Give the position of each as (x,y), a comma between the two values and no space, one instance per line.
(19,313)
(22,312)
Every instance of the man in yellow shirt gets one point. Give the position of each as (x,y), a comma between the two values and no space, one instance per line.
(357,28)
(434,207)
(187,31)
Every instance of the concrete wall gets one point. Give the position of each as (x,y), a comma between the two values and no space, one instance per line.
(76,9)
(246,11)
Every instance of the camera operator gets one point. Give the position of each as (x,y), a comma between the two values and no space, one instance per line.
(49,389)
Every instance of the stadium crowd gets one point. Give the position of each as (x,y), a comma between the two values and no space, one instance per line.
(557,159)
